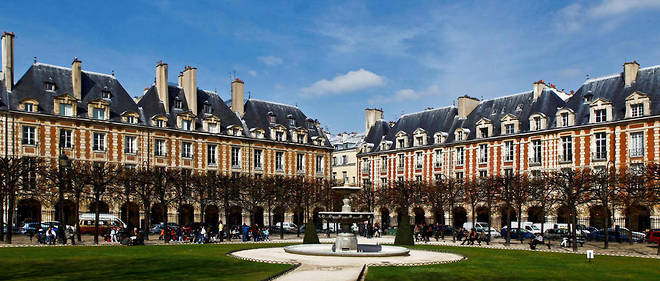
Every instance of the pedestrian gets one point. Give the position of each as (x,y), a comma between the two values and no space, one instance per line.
(113,235)
(221,231)
(246,230)
(70,233)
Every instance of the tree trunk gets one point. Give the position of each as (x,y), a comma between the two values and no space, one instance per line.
(451,217)
(147,218)
(10,215)
(2,216)
(78,216)
(508,226)
(489,221)
(573,230)
(97,197)
(606,230)
(519,217)
(166,233)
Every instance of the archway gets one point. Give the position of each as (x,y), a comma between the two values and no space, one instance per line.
(212,216)
(235,216)
(385,218)
(563,214)
(28,210)
(186,214)
(482,214)
(597,216)
(504,215)
(299,217)
(257,216)
(419,216)
(535,214)
(399,214)
(278,215)
(130,214)
(439,216)
(103,207)
(459,216)
(638,218)
(157,213)
(318,223)
(69,212)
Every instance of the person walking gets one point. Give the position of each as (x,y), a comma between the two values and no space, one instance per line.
(246,230)
(221,231)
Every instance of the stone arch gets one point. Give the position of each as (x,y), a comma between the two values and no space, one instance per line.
(384,218)
(459,216)
(299,216)
(103,207)
(439,216)
(69,212)
(235,216)
(318,223)
(257,216)
(597,215)
(186,214)
(563,214)
(28,210)
(482,214)
(130,214)
(212,215)
(157,213)
(638,218)
(535,214)
(420,217)
(279,214)
(504,214)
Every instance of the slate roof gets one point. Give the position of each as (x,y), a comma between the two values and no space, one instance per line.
(257,112)
(32,86)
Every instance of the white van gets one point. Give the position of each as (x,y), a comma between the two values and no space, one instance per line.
(526,225)
(88,221)
(481,226)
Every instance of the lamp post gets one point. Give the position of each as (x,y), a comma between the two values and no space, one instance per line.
(63,163)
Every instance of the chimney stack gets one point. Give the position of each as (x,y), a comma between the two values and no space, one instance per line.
(76,78)
(8,59)
(465,106)
(538,87)
(189,80)
(180,79)
(372,115)
(161,85)
(238,96)
(630,72)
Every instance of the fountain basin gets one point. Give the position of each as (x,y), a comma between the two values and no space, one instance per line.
(363,250)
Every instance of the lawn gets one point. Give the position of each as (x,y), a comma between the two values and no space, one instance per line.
(180,262)
(493,264)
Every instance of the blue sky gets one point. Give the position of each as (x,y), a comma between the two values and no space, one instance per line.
(333,59)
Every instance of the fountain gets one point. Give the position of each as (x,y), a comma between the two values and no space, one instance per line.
(346,243)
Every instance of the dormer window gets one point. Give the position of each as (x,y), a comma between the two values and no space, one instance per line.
(213,128)
(234,130)
(509,124)
(419,141)
(106,95)
(98,113)
(28,107)
(565,117)
(131,119)
(440,137)
(459,135)
(99,109)
(160,123)
(509,129)
(208,109)
(186,125)
(483,132)
(178,104)
(292,122)
(537,122)
(279,136)
(638,105)
(401,140)
(636,110)
(301,138)
(600,115)
(49,86)
(401,143)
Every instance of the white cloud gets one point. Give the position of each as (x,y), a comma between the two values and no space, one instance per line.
(404,95)
(252,73)
(617,7)
(352,81)
(271,60)
(606,14)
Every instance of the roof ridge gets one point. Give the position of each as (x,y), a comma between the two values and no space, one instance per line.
(425,110)
(69,69)
(508,96)
(272,102)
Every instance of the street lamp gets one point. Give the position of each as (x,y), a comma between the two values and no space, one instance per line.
(64,163)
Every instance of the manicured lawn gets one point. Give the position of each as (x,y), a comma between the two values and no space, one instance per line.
(180,262)
(493,264)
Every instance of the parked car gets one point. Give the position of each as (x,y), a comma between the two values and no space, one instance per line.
(623,235)
(653,236)
(482,226)
(29,228)
(106,221)
(635,234)
(156,228)
(289,227)
(556,233)
(515,232)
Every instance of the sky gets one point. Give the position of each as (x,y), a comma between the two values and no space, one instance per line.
(333,59)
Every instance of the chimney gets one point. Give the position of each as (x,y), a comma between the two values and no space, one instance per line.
(161,85)
(76,78)
(372,115)
(538,87)
(189,80)
(8,59)
(180,80)
(630,72)
(465,106)
(237,97)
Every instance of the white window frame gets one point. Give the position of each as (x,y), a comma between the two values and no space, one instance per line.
(130,144)
(235,157)
(29,135)
(66,138)
(567,149)
(509,151)
(186,150)
(258,159)
(160,149)
(483,153)
(636,144)
(279,161)
(99,141)
(212,155)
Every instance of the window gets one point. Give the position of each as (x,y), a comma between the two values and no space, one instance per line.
(508,173)
(418,178)
(438,177)
(301,138)
(28,107)
(186,125)
(564,119)
(49,86)
(637,109)
(401,143)
(459,156)
(567,149)
(29,135)
(319,164)
(66,109)
(419,160)
(292,122)
(536,152)
(99,141)
(637,144)
(159,147)
(279,161)
(208,108)
(483,174)
(419,140)
(334,161)
(65,138)
(537,123)
(483,132)
(383,181)
(365,165)
(483,153)
(300,162)
(186,150)
(178,104)
(271,119)
(235,157)
(508,151)
(601,146)
(130,145)
(213,128)
(131,119)
(459,175)
(344,177)
(98,113)
(401,161)
(106,94)
(509,129)
(344,159)
(459,135)
(601,115)
(383,163)
(279,136)
(438,158)
(160,123)
(212,155)
(257,159)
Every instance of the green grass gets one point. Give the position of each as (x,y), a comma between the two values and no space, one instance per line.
(494,264)
(180,262)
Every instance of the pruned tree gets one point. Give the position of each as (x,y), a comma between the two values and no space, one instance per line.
(542,195)
(16,174)
(455,194)
(144,190)
(102,176)
(605,188)
(489,190)
(633,190)
(506,184)
(163,181)
(520,192)
(572,188)
(434,196)
(80,186)
(126,188)
(472,196)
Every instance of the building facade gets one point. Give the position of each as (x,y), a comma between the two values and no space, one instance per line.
(53,110)
(609,121)
(344,157)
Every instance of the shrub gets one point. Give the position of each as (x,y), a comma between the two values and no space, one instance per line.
(404,235)
(310,234)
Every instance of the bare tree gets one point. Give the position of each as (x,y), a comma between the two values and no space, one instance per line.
(15,173)
(572,188)
(604,190)
(543,195)
(144,189)
(633,190)
(506,184)
(80,180)
(163,187)
(489,190)
(455,193)
(520,194)
(102,175)
(472,196)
